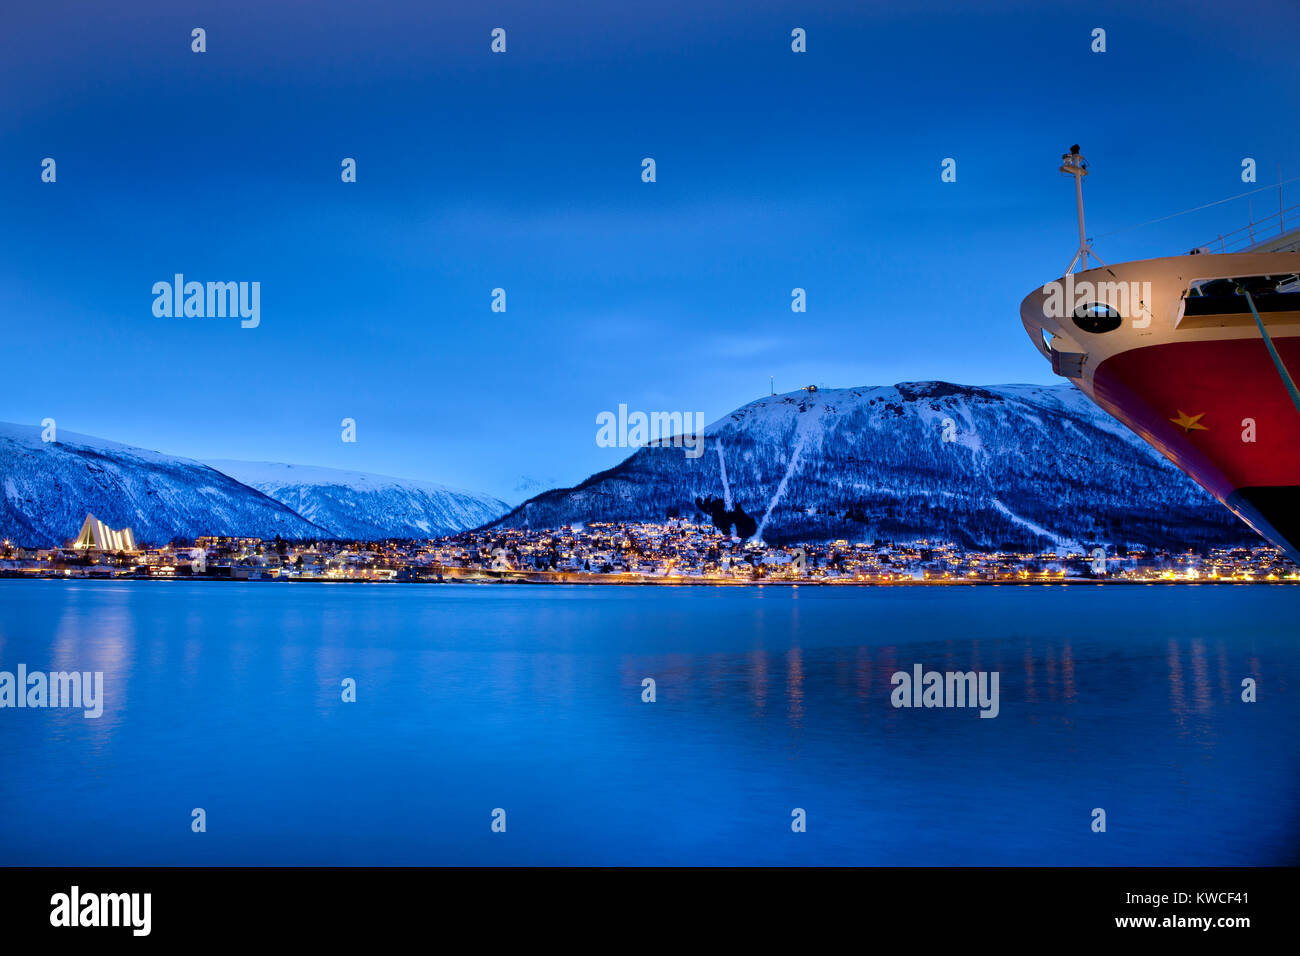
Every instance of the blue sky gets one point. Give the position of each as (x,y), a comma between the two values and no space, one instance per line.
(522,171)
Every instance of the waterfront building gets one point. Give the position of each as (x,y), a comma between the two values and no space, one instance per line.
(97,536)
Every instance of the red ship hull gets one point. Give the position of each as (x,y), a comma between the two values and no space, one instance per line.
(1243,440)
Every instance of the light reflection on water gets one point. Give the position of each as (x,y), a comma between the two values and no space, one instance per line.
(227,696)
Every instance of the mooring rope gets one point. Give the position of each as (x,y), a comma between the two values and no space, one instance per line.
(1277,359)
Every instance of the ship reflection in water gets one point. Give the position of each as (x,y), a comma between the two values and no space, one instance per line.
(531,699)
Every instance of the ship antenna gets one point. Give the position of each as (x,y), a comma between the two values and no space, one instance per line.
(1073,164)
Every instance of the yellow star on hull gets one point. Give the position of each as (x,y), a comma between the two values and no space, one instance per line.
(1189,423)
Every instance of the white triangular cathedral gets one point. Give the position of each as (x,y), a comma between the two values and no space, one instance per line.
(100,537)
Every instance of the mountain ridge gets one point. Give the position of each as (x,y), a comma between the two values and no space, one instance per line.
(366,506)
(48,488)
(1023,466)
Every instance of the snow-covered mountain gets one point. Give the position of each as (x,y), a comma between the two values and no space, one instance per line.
(47,489)
(353,504)
(1023,466)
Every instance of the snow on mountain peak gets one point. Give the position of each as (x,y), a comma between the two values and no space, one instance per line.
(986,466)
(354,504)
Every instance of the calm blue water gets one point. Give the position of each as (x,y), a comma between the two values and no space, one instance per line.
(227,697)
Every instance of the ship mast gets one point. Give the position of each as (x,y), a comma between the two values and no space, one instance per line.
(1073,164)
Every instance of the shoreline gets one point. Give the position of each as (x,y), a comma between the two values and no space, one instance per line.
(534,578)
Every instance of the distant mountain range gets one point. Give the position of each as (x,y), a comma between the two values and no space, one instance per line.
(1023,467)
(365,507)
(1009,466)
(48,488)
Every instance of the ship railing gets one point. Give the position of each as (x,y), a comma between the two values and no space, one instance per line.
(1254,232)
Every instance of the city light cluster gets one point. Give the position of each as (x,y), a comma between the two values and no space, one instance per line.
(676,551)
